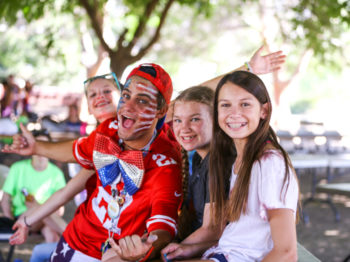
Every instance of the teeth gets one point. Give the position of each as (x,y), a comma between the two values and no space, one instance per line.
(234,125)
(101,104)
(187,138)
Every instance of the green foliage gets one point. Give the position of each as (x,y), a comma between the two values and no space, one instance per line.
(31,10)
(302,106)
(320,25)
(44,51)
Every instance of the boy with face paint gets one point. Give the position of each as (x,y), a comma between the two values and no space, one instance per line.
(138,188)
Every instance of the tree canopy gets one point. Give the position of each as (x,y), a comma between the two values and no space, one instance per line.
(135,25)
(128,29)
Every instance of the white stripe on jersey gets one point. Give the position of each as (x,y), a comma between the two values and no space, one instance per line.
(81,160)
(162,219)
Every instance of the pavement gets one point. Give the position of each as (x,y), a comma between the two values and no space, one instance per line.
(323,236)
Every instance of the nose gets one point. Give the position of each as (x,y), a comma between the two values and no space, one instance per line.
(235,110)
(185,125)
(100,94)
(127,104)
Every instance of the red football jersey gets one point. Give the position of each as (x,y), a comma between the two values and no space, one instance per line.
(154,206)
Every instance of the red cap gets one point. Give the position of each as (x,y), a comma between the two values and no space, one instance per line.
(157,76)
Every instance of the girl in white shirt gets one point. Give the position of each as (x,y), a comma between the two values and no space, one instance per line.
(261,210)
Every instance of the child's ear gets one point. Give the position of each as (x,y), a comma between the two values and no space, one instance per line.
(264,110)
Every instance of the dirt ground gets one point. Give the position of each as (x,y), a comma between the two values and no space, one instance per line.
(326,239)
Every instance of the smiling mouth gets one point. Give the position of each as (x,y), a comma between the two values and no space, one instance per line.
(237,125)
(101,104)
(127,122)
(187,138)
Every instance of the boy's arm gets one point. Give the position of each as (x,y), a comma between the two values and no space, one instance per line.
(60,197)
(25,144)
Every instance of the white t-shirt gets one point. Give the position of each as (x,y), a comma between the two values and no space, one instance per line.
(249,238)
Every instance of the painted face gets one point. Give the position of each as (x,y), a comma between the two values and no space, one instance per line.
(102,98)
(137,109)
(239,112)
(192,125)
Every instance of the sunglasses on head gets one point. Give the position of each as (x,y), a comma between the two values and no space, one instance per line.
(110,76)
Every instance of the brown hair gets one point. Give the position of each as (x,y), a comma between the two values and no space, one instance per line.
(199,94)
(203,95)
(222,153)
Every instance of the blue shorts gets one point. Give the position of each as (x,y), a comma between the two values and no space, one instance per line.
(217,257)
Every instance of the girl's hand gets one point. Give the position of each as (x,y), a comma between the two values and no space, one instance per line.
(267,63)
(176,251)
(133,248)
(21,234)
(23,144)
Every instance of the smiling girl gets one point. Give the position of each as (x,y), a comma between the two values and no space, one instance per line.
(261,208)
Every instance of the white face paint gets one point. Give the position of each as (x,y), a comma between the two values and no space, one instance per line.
(137,110)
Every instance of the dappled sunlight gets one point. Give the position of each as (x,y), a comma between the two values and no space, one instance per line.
(331,233)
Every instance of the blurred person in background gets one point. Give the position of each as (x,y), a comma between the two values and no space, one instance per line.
(71,127)
(31,182)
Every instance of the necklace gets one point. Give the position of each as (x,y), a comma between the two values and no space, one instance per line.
(114,209)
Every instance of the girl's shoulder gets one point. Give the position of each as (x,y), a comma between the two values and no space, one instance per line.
(271,162)
(271,155)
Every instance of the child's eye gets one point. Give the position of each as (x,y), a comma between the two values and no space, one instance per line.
(125,95)
(91,95)
(245,104)
(177,121)
(195,119)
(107,91)
(143,101)
(225,105)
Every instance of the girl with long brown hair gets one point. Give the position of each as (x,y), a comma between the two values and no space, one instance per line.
(261,209)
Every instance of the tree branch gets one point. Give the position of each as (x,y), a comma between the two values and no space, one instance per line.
(96,22)
(156,35)
(121,39)
(143,21)
(92,70)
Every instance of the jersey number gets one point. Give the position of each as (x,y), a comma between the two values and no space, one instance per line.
(162,160)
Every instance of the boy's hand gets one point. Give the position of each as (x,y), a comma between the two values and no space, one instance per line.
(21,234)
(23,144)
(133,248)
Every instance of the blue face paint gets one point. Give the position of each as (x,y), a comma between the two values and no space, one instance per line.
(127,83)
(121,101)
